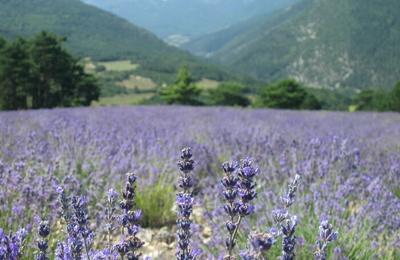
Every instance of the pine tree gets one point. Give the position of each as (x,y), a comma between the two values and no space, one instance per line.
(183,92)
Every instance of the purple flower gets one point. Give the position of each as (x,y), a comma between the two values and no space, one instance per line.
(130,245)
(325,237)
(184,201)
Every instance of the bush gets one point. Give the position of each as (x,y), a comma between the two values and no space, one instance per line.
(229,94)
(287,94)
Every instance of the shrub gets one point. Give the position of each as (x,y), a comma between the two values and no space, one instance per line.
(156,202)
(229,94)
(287,94)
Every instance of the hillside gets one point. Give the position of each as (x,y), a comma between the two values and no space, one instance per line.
(319,42)
(178,20)
(92,32)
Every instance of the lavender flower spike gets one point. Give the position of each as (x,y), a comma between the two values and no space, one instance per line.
(44,231)
(184,200)
(230,181)
(130,218)
(288,228)
(326,235)
(81,221)
(259,244)
(238,182)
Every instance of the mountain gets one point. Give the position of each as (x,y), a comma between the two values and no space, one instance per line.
(92,32)
(322,43)
(180,20)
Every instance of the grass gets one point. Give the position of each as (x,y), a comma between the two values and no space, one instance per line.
(156,202)
(206,84)
(138,82)
(131,99)
(121,65)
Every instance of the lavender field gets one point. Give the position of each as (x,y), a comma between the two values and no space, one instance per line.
(348,163)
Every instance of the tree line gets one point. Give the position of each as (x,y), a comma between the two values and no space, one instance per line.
(284,94)
(379,100)
(40,73)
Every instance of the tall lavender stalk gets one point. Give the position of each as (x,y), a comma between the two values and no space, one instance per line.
(184,201)
(44,231)
(326,236)
(238,182)
(112,196)
(130,218)
(81,220)
(230,181)
(285,222)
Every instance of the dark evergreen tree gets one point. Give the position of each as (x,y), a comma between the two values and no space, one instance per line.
(52,72)
(86,89)
(15,75)
(59,79)
(183,92)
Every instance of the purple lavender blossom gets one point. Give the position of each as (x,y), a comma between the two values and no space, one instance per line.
(11,246)
(288,228)
(112,196)
(130,244)
(44,231)
(238,182)
(184,201)
(81,221)
(259,244)
(230,183)
(325,237)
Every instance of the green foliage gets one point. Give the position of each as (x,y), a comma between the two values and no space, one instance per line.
(378,100)
(395,94)
(15,75)
(229,94)
(42,71)
(286,94)
(334,99)
(183,92)
(156,202)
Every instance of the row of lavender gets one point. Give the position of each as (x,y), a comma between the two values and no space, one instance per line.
(238,182)
(349,165)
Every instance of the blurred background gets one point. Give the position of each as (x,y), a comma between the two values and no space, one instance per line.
(291,54)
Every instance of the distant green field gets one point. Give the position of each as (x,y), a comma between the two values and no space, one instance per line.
(206,84)
(131,99)
(138,82)
(121,65)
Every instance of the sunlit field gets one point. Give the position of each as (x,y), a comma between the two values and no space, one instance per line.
(349,166)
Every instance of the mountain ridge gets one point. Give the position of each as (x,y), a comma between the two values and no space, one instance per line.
(92,32)
(318,42)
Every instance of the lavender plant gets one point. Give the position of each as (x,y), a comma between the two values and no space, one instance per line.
(11,246)
(238,182)
(230,183)
(44,231)
(350,171)
(287,223)
(130,244)
(81,223)
(184,201)
(112,196)
(326,236)
(260,243)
